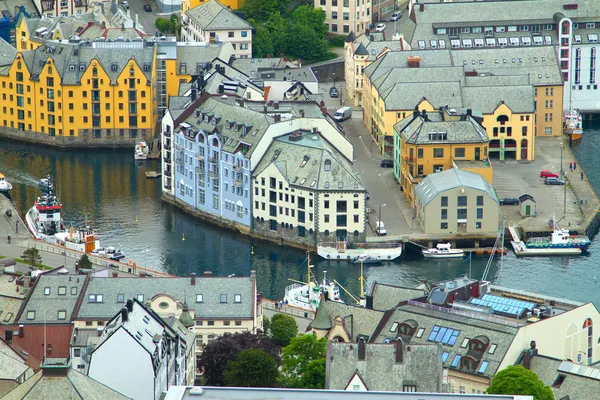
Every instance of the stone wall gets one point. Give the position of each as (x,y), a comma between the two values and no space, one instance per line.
(85,140)
(324,71)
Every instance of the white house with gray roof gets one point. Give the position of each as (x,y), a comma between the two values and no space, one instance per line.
(213,22)
(139,354)
(455,201)
(392,367)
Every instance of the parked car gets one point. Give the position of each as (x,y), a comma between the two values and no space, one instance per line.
(548,174)
(387,163)
(368,196)
(147,8)
(380,28)
(554,181)
(396,16)
(510,201)
(333,92)
(342,114)
(125,5)
(381,229)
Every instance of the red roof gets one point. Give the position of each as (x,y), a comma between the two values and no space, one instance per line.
(31,339)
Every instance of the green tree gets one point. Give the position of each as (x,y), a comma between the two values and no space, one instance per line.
(85,262)
(163,24)
(174,22)
(251,368)
(283,328)
(32,256)
(311,17)
(303,362)
(305,43)
(278,29)
(262,43)
(260,10)
(517,380)
(266,325)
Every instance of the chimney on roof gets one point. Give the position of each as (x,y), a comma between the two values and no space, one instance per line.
(399,347)
(99,331)
(122,27)
(194,93)
(532,346)
(424,114)
(137,21)
(268,56)
(124,313)
(130,305)
(193,279)
(362,350)
(207,274)
(421,7)
(276,105)
(142,275)
(414,62)
(469,112)
(8,335)
(302,113)
(21,331)
(277,117)
(115,274)
(252,274)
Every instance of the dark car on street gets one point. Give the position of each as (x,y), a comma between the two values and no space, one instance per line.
(510,201)
(147,8)
(333,92)
(387,163)
(554,181)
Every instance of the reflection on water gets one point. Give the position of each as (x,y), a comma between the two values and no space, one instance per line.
(110,191)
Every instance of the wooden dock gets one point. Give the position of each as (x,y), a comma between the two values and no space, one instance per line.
(152,174)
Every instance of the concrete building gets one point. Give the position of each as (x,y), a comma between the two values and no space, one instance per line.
(392,367)
(219,143)
(82,345)
(139,355)
(56,8)
(58,380)
(428,143)
(483,329)
(305,191)
(568,380)
(345,16)
(217,305)
(573,29)
(456,202)
(214,22)
(226,393)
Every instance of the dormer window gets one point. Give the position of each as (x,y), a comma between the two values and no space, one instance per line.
(206,118)
(327,165)
(227,124)
(213,121)
(236,127)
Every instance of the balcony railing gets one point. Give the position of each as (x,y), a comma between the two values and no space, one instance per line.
(167,171)
(167,134)
(237,182)
(167,159)
(167,146)
(179,161)
(200,157)
(199,170)
(213,160)
(237,168)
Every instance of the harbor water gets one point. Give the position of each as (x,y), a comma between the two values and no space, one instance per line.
(108,190)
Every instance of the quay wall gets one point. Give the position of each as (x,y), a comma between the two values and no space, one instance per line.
(85,139)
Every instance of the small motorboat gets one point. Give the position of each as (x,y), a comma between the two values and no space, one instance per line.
(141,150)
(113,254)
(443,250)
(5,187)
(366,259)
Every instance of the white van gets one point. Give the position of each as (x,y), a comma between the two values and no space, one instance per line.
(381,231)
(396,16)
(342,114)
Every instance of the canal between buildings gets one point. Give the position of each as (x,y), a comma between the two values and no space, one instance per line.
(111,191)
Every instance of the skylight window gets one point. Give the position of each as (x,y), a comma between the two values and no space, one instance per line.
(445,356)
(456,360)
(443,335)
(483,367)
(394,327)
(420,332)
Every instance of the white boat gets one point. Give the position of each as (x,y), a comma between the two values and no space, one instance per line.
(45,223)
(364,259)
(343,251)
(306,295)
(141,150)
(443,250)
(45,185)
(5,186)
(573,125)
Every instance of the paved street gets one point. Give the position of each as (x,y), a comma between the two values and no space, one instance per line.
(146,19)
(403,25)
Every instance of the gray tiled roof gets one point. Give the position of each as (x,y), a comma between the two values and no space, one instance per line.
(213,16)
(439,182)
(252,66)
(358,320)
(416,129)
(229,112)
(179,288)
(7,52)
(197,54)
(288,157)
(420,366)
(386,297)
(575,386)
(46,307)
(418,75)
(399,59)
(406,95)
(498,334)
(11,368)
(486,99)
(361,50)
(68,62)
(72,386)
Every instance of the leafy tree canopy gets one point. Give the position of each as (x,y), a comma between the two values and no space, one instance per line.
(283,328)
(32,256)
(85,262)
(163,24)
(251,368)
(302,360)
(517,380)
(223,349)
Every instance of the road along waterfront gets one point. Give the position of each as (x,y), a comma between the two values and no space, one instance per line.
(109,189)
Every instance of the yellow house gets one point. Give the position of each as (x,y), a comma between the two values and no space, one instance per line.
(549,101)
(189,4)
(29,30)
(73,89)
(433,142)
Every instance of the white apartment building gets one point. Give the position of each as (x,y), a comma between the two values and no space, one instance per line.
(213,22)
(345,16)
(57,8)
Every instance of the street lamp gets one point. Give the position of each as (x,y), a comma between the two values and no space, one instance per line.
(561,158)
(378,227)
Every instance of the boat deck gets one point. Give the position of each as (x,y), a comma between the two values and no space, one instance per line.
(521,250)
